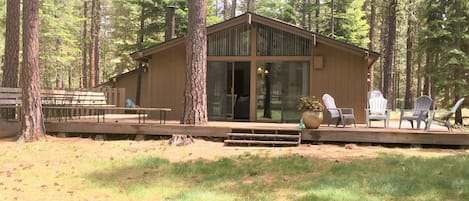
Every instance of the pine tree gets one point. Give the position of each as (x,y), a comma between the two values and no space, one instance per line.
(32,120)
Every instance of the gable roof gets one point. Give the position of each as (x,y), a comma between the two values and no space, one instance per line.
(250,18)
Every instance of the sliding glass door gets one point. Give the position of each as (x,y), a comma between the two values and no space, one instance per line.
(228,85)
(279,86)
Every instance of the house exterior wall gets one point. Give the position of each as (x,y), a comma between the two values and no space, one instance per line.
(343,76)
(129,82)
(166,75)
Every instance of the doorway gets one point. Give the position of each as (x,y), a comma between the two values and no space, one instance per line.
(228,90)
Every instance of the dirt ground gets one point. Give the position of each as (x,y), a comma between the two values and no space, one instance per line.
(209,150)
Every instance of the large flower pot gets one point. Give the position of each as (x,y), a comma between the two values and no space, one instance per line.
(311,119)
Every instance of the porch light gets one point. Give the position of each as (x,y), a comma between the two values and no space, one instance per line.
(259,70)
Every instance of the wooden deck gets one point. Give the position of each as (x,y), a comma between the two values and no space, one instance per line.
(128,125)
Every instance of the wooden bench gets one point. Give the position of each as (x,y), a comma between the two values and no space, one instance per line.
(10,103)
(65,104)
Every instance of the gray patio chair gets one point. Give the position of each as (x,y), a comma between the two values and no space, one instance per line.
(419,113)
(377,111)
(341,114)
(443,116)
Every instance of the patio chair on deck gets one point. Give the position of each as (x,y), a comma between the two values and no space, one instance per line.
(377,111)
(341,114)
(419,112)
(444,116)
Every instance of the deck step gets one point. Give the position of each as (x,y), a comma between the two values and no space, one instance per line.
(263,135)
(262,142)
(262,138)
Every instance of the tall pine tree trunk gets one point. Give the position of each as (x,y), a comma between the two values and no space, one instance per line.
(309,15)
(84,50)
(332,19)
(32,121)
(10,68)
(139,47)
(389,49)
(233,8)
(318,4)
(92,78)
(195,95)
(426,81)
(372,42)
(97,25)
(226,10)
(408,83)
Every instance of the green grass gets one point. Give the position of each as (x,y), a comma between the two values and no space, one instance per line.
(78,169)
(250,177)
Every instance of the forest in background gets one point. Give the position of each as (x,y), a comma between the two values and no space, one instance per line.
(424,44)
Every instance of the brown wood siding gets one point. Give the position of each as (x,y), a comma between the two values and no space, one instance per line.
(343,76)
(129,82)
(166,75)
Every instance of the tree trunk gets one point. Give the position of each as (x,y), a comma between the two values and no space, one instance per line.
(233,8)
(332,19)
(389,49)
(195,107)
(419,77)
(408,84)
(93,34)
(226,10)
(10,68)
(139,47)
(32,122)
(372,42)
(84,50)
(97,17)
(318,4)
(426,81)
(309,15)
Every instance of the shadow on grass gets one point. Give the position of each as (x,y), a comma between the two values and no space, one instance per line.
(249,177)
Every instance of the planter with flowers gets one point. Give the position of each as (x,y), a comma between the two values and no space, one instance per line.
(312,112)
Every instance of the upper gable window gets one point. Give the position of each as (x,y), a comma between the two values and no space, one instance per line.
(231,42)
(274,42)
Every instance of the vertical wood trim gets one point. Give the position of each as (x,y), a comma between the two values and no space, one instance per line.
(311,67)
(252,91)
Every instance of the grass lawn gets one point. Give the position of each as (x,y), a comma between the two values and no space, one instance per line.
(78,169)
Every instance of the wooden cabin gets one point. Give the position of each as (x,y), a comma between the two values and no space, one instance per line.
(257,68)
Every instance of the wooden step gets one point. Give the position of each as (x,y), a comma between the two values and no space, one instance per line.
(261,142)
(263,135)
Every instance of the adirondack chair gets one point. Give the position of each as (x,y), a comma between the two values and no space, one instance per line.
(419,113)
(444,116)
(377,111)
(341,114)
(376,94)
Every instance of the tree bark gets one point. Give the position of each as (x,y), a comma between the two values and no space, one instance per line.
(97,25)
(93,34)
(372,42)
(84,50)
(332,19)
(32,121)
(10,68)
(226,10)
(408,86)
(139,47)
(389,49)
(195,95)
(233,8)
(318,4)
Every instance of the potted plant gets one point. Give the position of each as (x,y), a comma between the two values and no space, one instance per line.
(312,112)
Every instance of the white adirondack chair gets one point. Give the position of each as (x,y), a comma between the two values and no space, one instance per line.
(341,114)
(377,111)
